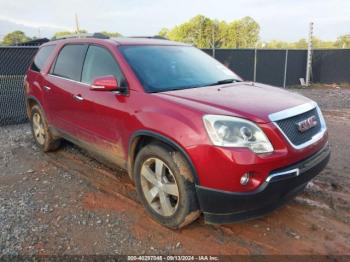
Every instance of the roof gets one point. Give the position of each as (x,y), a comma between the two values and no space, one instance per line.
(144,41)
(120,41)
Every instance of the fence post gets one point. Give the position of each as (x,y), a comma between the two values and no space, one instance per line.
(255,58)
(309,56)
(285,69)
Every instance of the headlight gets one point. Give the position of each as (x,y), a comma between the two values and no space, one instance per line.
(228,131)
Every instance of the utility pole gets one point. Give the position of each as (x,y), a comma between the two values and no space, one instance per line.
(255,62)
(77,24)
(213,39)
(309,55)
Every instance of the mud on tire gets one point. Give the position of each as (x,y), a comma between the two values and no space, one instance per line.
(185,206)
(45,140)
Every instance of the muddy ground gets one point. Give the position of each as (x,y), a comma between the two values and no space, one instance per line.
(67,203)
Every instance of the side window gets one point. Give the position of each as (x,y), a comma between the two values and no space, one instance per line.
(100,62)
(69,62)
(41,57)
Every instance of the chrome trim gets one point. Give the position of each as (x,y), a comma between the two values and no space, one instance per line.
(71,80)
(293,111)
(78,98)
(290,112)
(304,165)
(295,170)
(47,88)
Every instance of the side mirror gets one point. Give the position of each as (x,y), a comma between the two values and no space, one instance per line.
(105,83)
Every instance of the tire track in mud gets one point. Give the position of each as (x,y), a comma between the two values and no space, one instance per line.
(295,228)
(114,194)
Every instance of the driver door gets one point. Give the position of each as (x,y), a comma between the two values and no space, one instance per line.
(102,113)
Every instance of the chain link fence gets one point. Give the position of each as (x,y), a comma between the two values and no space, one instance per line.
(14,62)
(275,67)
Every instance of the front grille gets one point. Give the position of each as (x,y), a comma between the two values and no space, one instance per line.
(290,128)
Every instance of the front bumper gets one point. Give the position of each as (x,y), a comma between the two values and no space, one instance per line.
(225,207)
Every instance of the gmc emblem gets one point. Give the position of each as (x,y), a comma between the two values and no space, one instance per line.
(307,124)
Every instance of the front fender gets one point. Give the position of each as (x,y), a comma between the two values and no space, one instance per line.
(147,133)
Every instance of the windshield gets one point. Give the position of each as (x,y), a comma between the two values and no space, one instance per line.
(164,68)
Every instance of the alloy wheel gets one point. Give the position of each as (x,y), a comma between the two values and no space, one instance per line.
(159,187)
(38,128)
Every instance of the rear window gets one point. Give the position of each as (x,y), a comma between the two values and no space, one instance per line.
(69,62)
(41,57)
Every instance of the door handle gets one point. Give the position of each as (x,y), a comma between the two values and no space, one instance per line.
(78,97)
(47,88)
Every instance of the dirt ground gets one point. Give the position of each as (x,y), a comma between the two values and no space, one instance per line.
(67,203)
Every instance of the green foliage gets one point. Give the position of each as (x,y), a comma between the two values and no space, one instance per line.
(15,37)
(343,41)
(302,44)
(111,34)
(204,32)
(318,43)
(164,32)
(66,33)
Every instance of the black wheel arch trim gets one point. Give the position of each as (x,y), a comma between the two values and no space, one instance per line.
(166,140)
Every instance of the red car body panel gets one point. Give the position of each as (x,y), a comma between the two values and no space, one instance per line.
(108,121)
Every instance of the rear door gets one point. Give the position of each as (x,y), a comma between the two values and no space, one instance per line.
(34,75)
(62,85)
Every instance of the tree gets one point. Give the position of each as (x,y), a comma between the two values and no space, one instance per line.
(247,32)
(15,37)
(196,31)
(277,44)
(67,33)
(204,32)
(164,32)
(111,34)
(318,43)
(301,44)
(343,41)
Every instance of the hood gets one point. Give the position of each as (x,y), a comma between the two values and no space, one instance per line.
(241,99)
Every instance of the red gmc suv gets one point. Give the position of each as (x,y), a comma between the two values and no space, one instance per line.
(194,137)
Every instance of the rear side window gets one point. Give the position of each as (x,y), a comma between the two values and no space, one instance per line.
(100,62)
(41,57)
(69,62)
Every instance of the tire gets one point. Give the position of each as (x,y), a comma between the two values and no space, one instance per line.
(41,132)
(173,211)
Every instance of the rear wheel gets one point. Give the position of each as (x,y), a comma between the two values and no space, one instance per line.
(165,185)
(40,130)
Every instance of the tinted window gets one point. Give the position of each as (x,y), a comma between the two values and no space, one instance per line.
(100,62)
(69,62)
(41,57)
(162,68)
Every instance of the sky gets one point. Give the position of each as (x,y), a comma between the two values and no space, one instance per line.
(286,20)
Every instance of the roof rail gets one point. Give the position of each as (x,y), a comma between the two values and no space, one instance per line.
(83,35)
(150,37)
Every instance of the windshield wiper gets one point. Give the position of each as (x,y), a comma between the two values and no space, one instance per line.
(225,81)
(220,82)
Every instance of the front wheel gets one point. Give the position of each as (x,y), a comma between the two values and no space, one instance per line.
(165,185)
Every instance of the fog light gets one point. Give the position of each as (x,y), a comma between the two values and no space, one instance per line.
(245,179)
